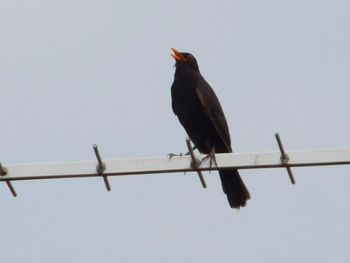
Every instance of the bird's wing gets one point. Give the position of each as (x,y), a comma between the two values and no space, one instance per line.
(214,112)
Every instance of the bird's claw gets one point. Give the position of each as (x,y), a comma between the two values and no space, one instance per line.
(171,155)
(212,158)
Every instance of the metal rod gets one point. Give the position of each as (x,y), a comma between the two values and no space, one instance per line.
(101,167)
(177,164)
(291,177)
(195,163)
(3,172)
(280,145)
(12,189)
(105,179)
(284,158)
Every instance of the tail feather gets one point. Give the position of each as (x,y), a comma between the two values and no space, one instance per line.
(234,188)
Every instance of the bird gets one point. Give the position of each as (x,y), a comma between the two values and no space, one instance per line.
(198,109)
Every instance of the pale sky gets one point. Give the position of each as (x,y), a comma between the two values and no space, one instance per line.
(74,73)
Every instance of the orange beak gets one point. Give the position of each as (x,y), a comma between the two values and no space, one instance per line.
(177,55)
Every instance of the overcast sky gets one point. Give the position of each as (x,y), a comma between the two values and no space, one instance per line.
(74,73)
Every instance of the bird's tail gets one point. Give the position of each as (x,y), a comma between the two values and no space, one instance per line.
(234,188)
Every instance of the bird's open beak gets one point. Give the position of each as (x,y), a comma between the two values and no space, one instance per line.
(178,56)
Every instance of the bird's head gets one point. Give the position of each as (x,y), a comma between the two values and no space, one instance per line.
(184,61)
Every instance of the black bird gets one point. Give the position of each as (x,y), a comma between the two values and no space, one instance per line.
(200,113)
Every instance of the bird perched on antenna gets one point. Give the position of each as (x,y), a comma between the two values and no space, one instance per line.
(200,113)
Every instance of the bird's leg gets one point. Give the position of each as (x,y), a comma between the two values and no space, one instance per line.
(212,158)
(193,148)
(171,155)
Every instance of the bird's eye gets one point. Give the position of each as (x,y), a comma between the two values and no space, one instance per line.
(190,57)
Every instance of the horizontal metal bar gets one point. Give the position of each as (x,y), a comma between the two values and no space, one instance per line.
(175,164)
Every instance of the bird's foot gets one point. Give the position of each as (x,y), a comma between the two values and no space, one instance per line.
(171,155)
(193,148)
(212,159)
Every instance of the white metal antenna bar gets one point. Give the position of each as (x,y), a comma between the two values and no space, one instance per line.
(184,163)
(165,164)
